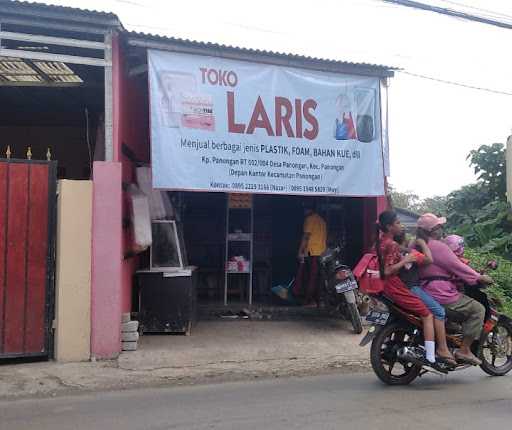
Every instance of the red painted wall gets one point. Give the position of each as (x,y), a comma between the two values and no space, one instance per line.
(131,128)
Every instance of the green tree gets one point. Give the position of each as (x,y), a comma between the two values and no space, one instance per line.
(488,162)
(479,211)
(462,204)
(405,200)
(435,205)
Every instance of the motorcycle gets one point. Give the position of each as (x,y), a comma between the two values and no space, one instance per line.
(341,289)
(396,338)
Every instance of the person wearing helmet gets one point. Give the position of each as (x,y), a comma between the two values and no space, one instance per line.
(456,244)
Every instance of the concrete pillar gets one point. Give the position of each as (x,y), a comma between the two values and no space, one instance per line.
(73,277)
(106,260)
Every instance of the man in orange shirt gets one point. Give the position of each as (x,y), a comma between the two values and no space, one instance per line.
(312,246)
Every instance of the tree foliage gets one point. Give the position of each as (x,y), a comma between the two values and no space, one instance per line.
(411,201)
(488,162)
(479,212)
(405,200)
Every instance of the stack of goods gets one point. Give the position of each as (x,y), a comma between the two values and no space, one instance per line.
(129,333)
(240,201)
(238,264)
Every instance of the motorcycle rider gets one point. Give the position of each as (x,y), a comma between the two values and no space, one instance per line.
(439,281)
(391,262)
(411,278)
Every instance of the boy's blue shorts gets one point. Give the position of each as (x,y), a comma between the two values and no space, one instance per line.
(431,303)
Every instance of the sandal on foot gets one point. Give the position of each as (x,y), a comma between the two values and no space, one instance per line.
(470,359)
(450,361)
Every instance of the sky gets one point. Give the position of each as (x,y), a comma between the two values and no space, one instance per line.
(432,125)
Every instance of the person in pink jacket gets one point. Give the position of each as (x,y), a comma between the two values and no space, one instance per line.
(439,280)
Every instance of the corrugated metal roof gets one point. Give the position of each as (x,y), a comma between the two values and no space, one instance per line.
(109,19)
(209,48)
(21,7)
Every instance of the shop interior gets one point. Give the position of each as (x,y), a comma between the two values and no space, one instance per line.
(52,109)
(277,222)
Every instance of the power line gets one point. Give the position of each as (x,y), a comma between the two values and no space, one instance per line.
(492,13)
(450,12)
(458,84)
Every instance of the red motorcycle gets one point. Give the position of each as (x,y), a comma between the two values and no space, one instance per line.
(397,339)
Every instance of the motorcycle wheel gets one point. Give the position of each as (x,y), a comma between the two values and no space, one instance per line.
(383,356)
(496,350)
(355,318)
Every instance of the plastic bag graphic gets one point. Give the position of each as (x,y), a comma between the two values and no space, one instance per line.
(344,125)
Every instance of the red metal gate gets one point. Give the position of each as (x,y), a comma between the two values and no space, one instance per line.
(27,232)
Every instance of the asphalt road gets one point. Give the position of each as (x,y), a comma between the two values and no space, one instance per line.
(467,400)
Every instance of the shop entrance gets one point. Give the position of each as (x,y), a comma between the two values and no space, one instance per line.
(278,222)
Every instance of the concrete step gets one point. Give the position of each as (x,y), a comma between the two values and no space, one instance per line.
(129,346)
(130,326)
(130,336)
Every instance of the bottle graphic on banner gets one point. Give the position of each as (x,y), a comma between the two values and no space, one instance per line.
(365,120)
(344,124)
(182,105)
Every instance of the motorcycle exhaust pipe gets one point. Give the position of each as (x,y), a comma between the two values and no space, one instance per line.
(403,353)
(364,306)
(409,354)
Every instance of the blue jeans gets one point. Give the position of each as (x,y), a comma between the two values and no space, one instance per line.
(436,309)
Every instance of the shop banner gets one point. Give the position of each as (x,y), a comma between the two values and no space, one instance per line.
(234,126)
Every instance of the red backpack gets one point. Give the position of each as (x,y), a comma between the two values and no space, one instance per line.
(368,275)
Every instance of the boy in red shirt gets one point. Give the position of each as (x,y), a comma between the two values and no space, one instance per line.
(391,262)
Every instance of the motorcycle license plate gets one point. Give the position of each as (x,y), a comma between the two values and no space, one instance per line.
(345,286)
(377,317)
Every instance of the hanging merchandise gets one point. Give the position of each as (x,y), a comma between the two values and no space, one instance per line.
(141,220)
(159,203)
(344,125)
(239,200)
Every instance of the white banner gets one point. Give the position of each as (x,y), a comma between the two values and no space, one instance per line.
(234,126)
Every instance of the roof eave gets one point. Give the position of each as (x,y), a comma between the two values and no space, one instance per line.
(243,54)
(78,17)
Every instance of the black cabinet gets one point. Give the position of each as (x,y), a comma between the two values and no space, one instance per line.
(167,300)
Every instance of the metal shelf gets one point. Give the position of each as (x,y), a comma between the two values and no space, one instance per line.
(240,238)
